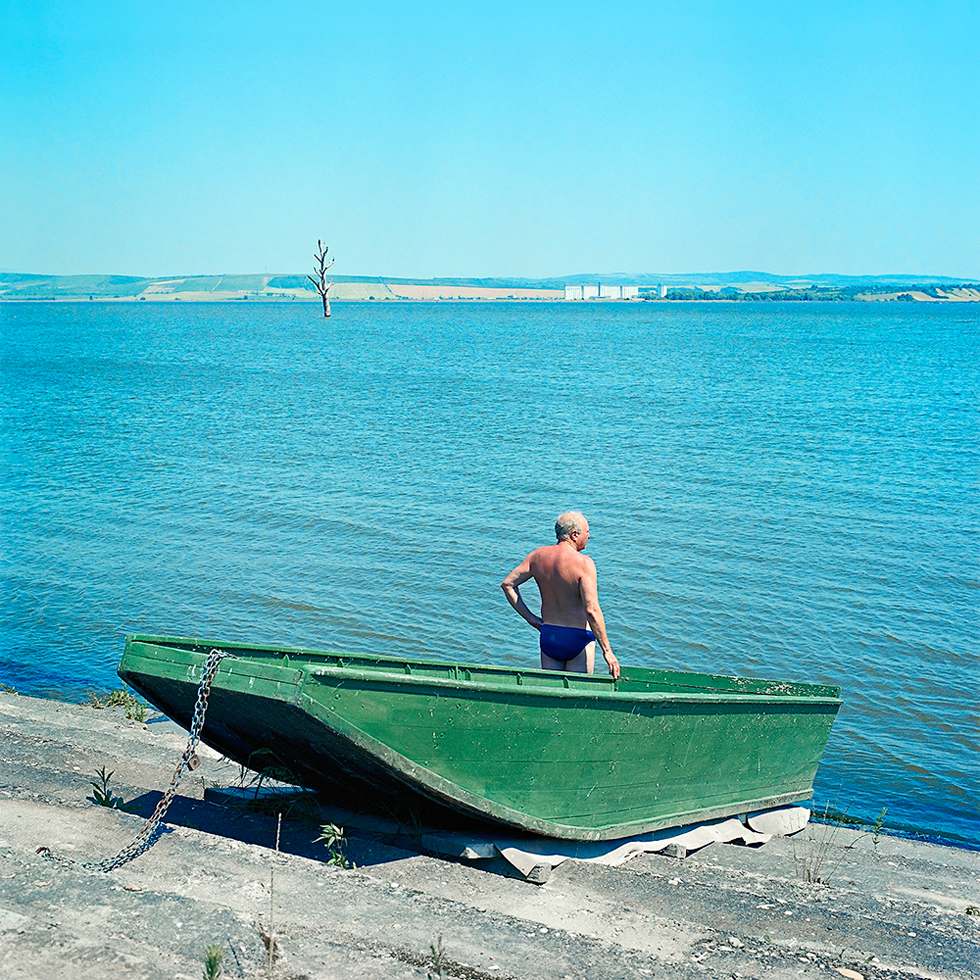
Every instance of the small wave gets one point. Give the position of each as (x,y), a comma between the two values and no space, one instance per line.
(285,604)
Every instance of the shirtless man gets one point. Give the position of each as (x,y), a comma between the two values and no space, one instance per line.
(569,591)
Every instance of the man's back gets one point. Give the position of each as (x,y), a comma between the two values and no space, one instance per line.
(558,572)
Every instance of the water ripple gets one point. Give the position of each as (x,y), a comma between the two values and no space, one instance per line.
(785,492)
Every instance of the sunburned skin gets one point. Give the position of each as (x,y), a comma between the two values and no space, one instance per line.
(568,584)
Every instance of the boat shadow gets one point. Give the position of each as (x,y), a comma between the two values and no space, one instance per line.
(315,829)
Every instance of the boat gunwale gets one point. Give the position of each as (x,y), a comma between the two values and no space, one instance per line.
(366,677)
(557,683)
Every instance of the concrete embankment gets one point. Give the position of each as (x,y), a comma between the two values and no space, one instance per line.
(885,909)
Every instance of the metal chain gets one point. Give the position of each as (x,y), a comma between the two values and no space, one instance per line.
(147,836)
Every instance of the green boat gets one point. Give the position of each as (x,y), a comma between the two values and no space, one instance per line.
(571,756)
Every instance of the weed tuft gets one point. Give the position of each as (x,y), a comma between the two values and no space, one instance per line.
(8,689)
(439,964)
(336,844)
(119,698)
(213,958)
(265,767)
(879,824)
(810,853)
(102,794)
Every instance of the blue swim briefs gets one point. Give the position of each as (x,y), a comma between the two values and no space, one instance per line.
(564,642)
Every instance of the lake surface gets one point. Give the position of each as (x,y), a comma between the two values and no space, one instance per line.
(788,491)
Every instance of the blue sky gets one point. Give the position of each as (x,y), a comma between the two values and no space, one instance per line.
(441,139)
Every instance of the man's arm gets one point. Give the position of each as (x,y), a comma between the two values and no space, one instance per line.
(589,589)
(518,577)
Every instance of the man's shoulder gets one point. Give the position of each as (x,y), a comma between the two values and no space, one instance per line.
(582,563)
(545,551)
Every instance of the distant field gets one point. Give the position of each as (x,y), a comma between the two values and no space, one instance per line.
(267,288)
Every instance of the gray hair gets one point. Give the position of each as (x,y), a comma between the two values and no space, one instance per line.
(572,521)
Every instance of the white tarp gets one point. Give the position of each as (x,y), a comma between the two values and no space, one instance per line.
(528,854)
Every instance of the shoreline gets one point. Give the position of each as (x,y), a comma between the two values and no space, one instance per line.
(889,907)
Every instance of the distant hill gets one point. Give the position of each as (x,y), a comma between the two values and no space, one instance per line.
(734,278)
(292,287)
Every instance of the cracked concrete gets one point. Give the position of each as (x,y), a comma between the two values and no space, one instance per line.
(888,909)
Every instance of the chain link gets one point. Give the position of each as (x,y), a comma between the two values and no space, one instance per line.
(147,836)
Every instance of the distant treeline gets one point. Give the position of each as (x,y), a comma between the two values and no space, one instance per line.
(810,294)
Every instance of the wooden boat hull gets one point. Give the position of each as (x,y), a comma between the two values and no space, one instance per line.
(572,756)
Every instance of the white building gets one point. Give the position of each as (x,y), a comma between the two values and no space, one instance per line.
(600,291)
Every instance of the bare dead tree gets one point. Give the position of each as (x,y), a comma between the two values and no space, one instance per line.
(321,284)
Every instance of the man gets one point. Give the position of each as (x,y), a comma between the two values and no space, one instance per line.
(569,591)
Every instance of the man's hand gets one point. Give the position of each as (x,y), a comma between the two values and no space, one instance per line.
(613,664)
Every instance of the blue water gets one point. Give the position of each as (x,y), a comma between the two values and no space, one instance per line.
(782,490)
